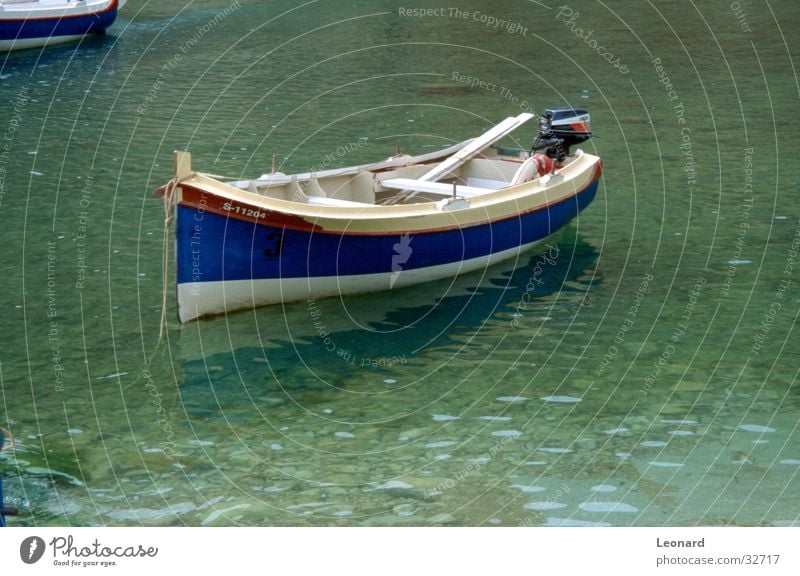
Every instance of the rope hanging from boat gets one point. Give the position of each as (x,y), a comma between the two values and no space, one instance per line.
(169,215)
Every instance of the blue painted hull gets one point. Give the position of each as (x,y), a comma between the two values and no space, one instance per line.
(215,248)
(4,511)
(241,245)
(30,32)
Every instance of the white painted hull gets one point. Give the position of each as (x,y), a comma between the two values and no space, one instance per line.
(25,25)
(200,299)
(279,239)
(25,43)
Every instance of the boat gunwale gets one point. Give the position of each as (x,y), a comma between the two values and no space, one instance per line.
(205,183)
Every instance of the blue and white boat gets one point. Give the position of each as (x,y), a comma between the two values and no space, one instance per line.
(37,23)
(4,510)
(407,220)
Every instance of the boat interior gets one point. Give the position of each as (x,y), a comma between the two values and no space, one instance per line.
(451,176)
(398,185)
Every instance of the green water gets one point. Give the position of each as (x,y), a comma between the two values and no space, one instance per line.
(640,369)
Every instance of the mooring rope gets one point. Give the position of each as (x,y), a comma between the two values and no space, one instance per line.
(7,435)
(169,214)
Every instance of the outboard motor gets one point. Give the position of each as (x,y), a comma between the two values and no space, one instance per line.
(559,129)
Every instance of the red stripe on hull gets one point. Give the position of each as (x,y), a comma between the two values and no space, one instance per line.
(205,201)
(202,200)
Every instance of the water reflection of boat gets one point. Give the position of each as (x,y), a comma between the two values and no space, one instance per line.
(227,359)
(408,220)
(36,23)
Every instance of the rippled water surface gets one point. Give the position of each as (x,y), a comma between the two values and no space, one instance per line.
(638,369)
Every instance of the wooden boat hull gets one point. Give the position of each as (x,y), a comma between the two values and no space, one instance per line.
(22,28)
(237,250)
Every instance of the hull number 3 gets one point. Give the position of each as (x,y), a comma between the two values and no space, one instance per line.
(275,240)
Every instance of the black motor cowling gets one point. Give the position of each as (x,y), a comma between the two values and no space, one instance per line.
(559,129)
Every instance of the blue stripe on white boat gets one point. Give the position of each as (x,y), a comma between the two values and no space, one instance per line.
(212,248)
(208,298)
(47,27)
(22,28)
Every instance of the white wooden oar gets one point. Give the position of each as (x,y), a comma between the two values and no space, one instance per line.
(434,187)
(483,141)
(280,178)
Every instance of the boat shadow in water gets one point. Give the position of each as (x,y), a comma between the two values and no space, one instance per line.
(278,353)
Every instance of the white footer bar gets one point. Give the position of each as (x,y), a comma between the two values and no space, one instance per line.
(401,551)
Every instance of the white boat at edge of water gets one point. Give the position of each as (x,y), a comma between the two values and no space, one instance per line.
(36,23)
(407,220)
(5,510)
